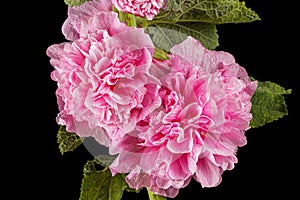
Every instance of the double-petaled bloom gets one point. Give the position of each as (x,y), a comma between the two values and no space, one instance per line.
(142,8)
(195,133)
(104,83)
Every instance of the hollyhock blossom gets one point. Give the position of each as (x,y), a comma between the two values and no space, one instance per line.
(78,15)
(196,131)
(142,8)
(103,78)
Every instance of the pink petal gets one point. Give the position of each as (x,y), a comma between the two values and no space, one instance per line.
(208,174)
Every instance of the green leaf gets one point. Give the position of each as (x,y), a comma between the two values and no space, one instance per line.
(75,2)
(153,196)
(165,34)
(211,11)
(268,103)
(67,141)
(99,184)
(128,18)
(196,18)
(160,54)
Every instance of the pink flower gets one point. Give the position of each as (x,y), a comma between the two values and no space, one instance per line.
(196,131)
(142,8)
(79,15)
(103,78)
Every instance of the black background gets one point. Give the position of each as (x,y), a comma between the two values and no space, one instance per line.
(35,169)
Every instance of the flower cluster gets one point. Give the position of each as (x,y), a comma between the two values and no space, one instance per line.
(167,120)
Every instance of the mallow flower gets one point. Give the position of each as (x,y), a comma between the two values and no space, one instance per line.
(79,15)
(141,8)
(104,86)
(196,131)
